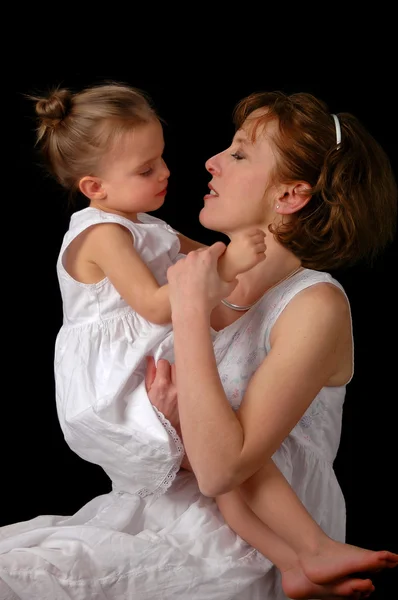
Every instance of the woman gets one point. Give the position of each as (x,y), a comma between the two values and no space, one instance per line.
(284,353)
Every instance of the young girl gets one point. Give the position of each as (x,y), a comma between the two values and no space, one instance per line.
(107,142)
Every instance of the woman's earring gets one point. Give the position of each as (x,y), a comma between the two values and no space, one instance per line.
(277,206)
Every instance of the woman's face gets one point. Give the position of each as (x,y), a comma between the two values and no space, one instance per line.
(241,190)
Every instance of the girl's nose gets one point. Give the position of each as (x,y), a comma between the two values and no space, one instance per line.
(165,172)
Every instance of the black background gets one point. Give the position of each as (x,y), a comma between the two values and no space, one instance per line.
(40,474)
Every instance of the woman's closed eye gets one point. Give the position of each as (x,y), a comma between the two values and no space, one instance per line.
(237,156)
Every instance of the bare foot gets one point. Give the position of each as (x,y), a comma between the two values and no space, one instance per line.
(338,560)
(297,586)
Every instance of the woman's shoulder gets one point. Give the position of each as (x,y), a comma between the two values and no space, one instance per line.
(307,291)
(312,288)
(322,297)
(320,305)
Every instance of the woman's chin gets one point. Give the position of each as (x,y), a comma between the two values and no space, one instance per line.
(207,221)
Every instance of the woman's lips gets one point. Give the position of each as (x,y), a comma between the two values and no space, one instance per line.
(213,193)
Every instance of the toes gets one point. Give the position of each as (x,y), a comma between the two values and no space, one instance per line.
(362,585)
(388,556)
(361,589)
(392,563)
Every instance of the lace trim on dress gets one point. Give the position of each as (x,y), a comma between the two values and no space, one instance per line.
(168,480)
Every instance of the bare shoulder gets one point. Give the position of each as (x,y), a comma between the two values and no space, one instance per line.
(108,231)
(316,304)
(92,246)
(318,320)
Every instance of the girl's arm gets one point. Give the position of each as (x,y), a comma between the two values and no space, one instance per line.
(110,246)
(245,251)
(187,245)
(226,448)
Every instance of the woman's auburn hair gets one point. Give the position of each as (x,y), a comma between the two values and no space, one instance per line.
(352,212)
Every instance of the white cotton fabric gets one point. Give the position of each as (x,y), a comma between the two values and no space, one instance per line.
(155,537)
(100,360)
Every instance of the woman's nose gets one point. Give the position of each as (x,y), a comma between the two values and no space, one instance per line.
(212,165)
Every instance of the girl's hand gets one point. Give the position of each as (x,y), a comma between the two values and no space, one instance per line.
(194,282)
(245,250)
(160,383)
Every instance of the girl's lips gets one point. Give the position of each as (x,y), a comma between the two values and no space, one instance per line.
(163,192)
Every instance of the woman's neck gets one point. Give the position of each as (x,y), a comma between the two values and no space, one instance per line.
(277,266)
(253,284)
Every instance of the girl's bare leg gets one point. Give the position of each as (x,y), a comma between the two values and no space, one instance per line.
(295,583)
(322,559)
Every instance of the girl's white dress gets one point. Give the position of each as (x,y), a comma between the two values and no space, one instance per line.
(155,537)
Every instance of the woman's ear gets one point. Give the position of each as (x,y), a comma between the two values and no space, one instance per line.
(92,188)
(292,197)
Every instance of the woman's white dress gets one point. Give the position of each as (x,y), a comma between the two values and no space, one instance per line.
(154,536)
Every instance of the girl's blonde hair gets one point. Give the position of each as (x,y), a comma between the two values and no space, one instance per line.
(75,130)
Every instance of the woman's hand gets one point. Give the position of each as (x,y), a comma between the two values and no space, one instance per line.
(160,383)
(161,388)
(194,282)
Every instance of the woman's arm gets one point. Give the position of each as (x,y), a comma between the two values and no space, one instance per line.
(225,448)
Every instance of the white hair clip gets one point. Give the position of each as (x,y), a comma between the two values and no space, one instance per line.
(338,129)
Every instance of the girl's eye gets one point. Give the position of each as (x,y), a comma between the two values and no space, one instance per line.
(237,156)
(146,173)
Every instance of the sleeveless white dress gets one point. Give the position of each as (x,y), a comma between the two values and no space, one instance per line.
(100,362)
(155,537)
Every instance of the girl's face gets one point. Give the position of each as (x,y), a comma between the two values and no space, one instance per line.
(134,175)
(241,189)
